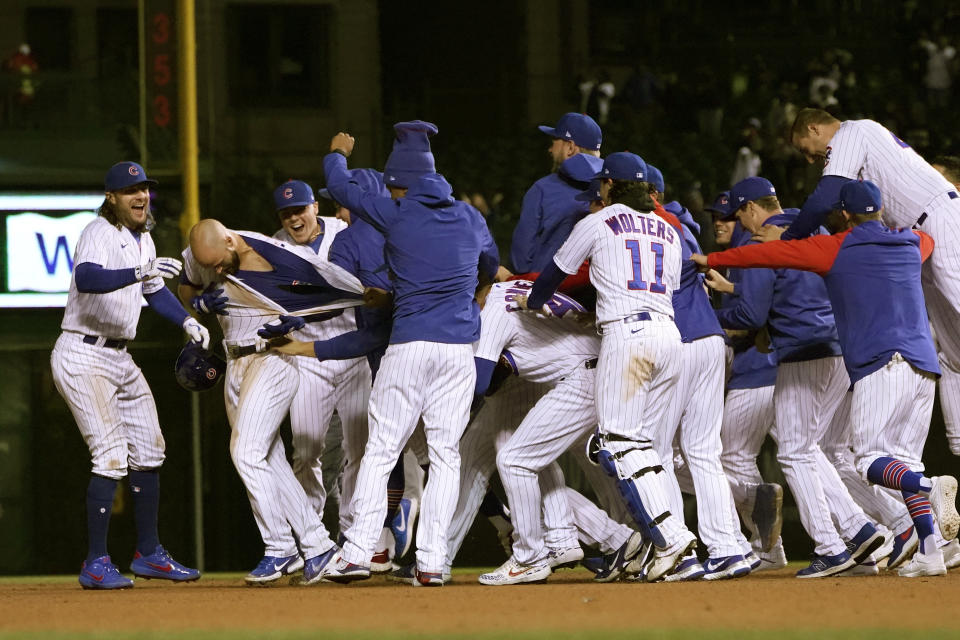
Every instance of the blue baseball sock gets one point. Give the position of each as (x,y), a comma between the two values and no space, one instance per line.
(395,485)
(145,491)
(99,505)
(894,474)
(922,515)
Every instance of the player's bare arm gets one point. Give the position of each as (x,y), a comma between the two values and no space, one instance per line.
(718,283)
(769,233)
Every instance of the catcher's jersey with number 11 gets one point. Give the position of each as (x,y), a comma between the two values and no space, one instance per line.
(634,261)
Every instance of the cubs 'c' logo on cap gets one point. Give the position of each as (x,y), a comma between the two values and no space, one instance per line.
(211,373)
(288,193)
(132,170)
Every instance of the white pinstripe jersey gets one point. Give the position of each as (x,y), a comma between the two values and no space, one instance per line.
(248,309)
(114,314)
(543,349)
(634,261)
(864,149)
(344,322)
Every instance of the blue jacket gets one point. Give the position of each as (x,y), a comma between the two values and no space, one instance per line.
(434,247)
(692,312)
(793,305)
(751,369)
(549,213)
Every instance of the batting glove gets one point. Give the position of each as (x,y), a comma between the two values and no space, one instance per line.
(211,300)
(197,332)
(162,267)
(281,327)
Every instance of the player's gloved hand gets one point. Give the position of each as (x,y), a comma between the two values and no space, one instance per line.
(162,267)
(281,327)
(211,300)
(197,332)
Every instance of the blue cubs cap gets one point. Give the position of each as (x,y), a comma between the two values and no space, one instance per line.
(293,193)
(591,194)
(411,156)
(125,174)
(578,127)
(370,180)
(859,196)
(721,206)
(655,177)
(623,165)
(748,190)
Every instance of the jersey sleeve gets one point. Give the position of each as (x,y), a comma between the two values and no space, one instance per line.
(578,246)
(361,203)
(497,329)
(815,254)
(846,153)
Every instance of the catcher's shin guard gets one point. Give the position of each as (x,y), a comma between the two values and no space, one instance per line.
(634,468)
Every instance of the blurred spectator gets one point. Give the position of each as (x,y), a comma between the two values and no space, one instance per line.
(642,89)
(595,96)
(938,78)
(22,64)
(747,162)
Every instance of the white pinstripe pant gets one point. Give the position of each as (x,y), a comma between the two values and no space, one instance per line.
(594,525)
(431,380)
(881,504)
(748,416)
(890,413)
(805,398)
(343,385)
(559,419)
(697,413)
(258,392)
(941,280)
(489,432)
(112,404)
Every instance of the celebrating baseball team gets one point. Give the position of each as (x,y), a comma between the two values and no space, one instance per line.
(836,324)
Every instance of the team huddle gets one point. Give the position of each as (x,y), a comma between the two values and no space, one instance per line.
(445,367)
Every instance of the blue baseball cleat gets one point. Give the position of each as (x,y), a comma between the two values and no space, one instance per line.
(867,540)
(904,544)
(103,574)
(724,568)
(314,566)
(615,564)
(272,568)
(160,565)
(687,570)
(823,566)
(402,525)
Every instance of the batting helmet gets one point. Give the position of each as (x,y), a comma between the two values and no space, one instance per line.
(198,369)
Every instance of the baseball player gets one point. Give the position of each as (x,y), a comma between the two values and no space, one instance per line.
(263,278)
(915,195)
(697,416)
(116,268)
(748,415)
(434,247)
(809,388)
(873,276)
(635,267)
(549,209)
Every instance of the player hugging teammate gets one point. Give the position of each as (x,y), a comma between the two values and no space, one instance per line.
(605,349)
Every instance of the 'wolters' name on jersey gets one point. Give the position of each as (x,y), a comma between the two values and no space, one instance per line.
(634,261)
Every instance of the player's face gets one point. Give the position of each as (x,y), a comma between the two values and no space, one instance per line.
(300,222)
(559,151)
(812,146)
(132,205)
(749,217)
(343,214)
(723,231)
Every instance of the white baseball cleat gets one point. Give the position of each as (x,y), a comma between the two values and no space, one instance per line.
(923,564)
(943,499)
(512,572)
(666,559)
(564,558)
(776,558)
(951,554)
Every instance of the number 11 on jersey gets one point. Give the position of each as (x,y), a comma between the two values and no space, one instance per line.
(638,283)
